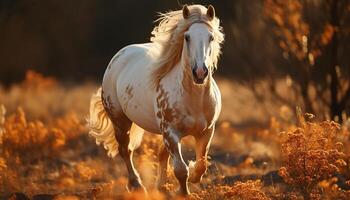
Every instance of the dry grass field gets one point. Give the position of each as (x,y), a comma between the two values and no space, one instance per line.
(46,153)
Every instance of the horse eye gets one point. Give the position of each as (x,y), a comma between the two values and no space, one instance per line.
(211,38)
(187,38)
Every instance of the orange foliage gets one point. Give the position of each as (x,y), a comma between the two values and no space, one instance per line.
(57,157)
(22,137)
(311,154)
(250,190)
(85,171)
(293,30)
(35,81)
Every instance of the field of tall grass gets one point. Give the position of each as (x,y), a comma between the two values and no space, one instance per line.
(46,152)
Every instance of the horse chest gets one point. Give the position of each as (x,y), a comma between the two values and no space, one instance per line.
(194,122)
(199,115)
(187,115)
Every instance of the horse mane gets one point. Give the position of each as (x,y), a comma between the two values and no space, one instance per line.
(169,36)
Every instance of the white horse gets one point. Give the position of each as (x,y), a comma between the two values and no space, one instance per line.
(164,87)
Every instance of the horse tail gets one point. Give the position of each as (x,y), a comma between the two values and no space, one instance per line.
(100,125)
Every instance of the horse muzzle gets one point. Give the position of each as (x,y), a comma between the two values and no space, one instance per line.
(200,74)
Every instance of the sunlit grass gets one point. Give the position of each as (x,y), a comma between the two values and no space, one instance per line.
(45,149)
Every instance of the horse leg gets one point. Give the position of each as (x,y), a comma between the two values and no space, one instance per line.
(122,125)
(123,139)
(163,156)
(202,147)
(173,145)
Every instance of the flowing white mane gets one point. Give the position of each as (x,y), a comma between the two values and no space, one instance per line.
(169,35)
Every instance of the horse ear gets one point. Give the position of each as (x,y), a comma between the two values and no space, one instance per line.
(185,12)
(211,12)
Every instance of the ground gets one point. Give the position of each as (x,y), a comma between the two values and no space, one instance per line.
(46,152)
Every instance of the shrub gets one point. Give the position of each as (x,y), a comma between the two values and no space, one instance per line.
(250,190)
(310,154)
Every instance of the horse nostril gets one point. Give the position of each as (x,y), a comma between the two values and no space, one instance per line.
(205,71)
(194,72)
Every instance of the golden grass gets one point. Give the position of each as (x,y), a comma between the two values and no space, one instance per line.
(45,149)
(310,154)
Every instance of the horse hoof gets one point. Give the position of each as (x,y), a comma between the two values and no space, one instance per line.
(136,186)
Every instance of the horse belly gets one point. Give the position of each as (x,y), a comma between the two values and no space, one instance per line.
(136,99)
(142,114)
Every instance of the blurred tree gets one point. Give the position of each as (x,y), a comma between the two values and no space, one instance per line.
(48,36)
(314,38)
(72,40)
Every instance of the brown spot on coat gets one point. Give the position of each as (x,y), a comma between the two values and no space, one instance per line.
(129,95)
(167,114)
